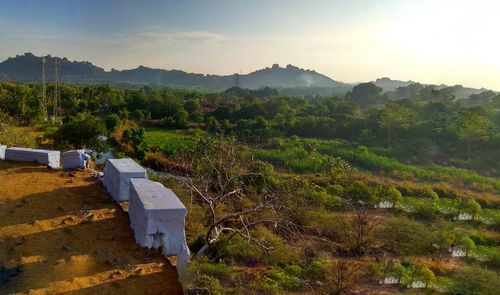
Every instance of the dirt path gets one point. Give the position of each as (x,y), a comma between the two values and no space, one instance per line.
(62,234)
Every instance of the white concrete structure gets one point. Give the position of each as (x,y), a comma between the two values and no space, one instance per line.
(157,217)
(117,175)
(74,159)
(100,176)
(2,151)
(389,280)
(457,252)
(45,157)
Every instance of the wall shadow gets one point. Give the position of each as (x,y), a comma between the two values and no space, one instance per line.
(141,284)
(56,203)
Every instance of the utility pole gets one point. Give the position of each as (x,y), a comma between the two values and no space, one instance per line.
(44,97)
(237,80)
(57,95)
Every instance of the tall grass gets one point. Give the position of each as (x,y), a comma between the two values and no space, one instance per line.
(366,159)
(171,142)
(293,157)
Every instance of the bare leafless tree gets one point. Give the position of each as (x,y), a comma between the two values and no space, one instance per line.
(217,179)
(340,276)
(358,228)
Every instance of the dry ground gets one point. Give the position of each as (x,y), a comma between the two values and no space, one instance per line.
(62,234)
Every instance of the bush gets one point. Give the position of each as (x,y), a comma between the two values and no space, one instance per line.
(134,140)
(407,237)
(217,270)
(285,280)
(428,193)
(112,122)
(389,194)
(426,211)
(205,284)
(490,256)
(81,131)
(406,273)
(470,280)
(250,254)
(359,192)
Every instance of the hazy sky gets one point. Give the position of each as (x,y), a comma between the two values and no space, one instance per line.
(448,41)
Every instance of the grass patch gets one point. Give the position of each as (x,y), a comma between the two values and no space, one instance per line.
(169,141)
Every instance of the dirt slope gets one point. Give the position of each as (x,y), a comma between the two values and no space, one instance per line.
(62,234)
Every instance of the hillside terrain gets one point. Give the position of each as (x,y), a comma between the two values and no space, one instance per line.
(371,192)
(60,233)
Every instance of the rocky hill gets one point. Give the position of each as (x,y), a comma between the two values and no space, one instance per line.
(26,68)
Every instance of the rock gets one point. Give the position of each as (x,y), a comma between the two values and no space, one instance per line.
(116,274)
(68,220)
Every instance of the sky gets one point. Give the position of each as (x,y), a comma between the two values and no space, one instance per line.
(439,41)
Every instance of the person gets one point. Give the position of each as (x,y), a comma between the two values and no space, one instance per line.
(86,160)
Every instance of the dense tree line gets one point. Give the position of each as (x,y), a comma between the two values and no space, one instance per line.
(416,123)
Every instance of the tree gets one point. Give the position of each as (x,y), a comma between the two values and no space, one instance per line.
(81,131)
(366,95)
(358,228)
(194,110)
(181,117)
(471,128)
(192,106)
(217,181)
(112,122)
(338,276)
(133,143)
(394,118)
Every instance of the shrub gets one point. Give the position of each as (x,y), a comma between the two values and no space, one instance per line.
(81,131)
(360,193)
(205,284)
(389,194)
(285,280)
(133,138)
(426,211)
(251,254)
(407,237)
(217,270)
(490,256)
(428,193)
(419,273)
(470,280)
(112,122)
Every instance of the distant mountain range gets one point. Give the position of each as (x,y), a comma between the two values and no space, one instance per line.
(459,91)
(390,85)
(26,68)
